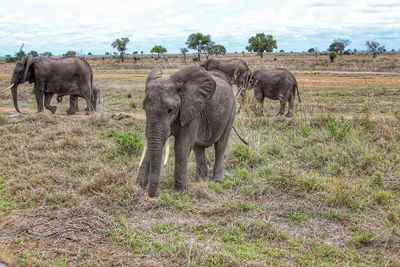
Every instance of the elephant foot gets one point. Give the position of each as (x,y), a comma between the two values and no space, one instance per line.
(219,178)
(71,112)
(53,109)
(280,114)
(289,115)
(180,187)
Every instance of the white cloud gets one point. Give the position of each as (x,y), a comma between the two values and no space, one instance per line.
(58,26)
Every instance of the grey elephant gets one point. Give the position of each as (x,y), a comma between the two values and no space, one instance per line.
(74,99)
(65,76)
(234,68)
(198,109)
(278,84)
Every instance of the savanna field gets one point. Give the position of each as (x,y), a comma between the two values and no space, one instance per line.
(321,188)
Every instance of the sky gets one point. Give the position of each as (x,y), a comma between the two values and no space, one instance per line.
(91,26)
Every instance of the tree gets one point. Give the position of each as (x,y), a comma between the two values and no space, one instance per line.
(261,43)
(311,50)
(199,42)
(121,46)
(184,50)
(218,49)
(34,53)
(70,54)
(90,54)
(46,54)
(209,49)
(107,53)
(281,51)
(20,54)
(338,45)
(159,49)
(374,47)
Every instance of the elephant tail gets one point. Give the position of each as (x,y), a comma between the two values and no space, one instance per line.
(240,137)
(298,94)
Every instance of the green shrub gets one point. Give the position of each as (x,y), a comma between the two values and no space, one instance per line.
(381,196)
(332,56)
(129,143)
(361,238)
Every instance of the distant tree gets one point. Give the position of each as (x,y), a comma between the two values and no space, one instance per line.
(209,49)
(20,54)
(46,54)
(281,51)
(184,50)
(374,47)
(261,43)
(311,50)
(135,52)
(338,45)
(90,54)
(141,52)
(70,53)
(332,56)
(218,49)
(121,46)
(107,53)
(199,42)
(355,50)
(159,49)
(34,53)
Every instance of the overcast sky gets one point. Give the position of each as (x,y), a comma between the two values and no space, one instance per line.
(91,26)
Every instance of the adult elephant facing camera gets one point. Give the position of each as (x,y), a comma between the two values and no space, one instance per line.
(198,109)
(65,76)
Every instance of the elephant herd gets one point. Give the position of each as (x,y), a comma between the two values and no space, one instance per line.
(196,105)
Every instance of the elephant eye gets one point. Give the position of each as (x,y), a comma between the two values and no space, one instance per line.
(170,110)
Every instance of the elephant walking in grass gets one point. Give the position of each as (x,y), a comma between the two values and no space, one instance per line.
(198,109)
(65,76)
(278,84)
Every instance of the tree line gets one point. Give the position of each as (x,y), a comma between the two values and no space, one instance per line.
(260,44)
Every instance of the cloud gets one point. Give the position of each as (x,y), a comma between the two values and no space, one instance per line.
(58,26)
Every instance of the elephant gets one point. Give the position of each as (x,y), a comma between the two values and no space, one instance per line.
(65,76)
(74,99)
(278,84)
(196,107)
(234,68)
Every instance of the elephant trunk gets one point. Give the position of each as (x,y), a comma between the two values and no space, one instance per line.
(155,141)
(15,96)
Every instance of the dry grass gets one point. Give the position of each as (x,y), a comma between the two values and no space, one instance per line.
(321,188)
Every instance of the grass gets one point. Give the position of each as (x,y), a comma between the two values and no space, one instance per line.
(321,188)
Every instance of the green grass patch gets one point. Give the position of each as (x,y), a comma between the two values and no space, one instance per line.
(6,202)
(176,200)
(361,238)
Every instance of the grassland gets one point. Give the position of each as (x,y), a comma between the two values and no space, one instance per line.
(322,188)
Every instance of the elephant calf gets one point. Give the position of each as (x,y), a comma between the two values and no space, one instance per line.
(73,99)
(279,84)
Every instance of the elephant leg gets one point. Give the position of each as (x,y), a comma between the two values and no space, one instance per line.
(183,146)
(220,147)
(291,106)
(144,172)
(47,100)
(39,98)
(72,105)
(201,164)
(282,100)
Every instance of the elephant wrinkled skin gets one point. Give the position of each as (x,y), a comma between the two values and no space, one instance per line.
(74,99)
(198,109)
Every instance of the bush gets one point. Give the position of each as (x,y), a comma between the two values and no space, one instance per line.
(332,56)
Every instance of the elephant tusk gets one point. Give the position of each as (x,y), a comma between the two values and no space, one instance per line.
(7,88)
(166,155)
(144,153)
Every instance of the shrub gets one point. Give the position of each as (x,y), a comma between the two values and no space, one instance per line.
(332,56)
(130,143)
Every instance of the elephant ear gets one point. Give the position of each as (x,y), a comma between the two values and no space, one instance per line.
(197,87)
(28,63)
(154,74)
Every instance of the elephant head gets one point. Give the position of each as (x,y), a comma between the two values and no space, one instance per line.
(22,73)
(176,100)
